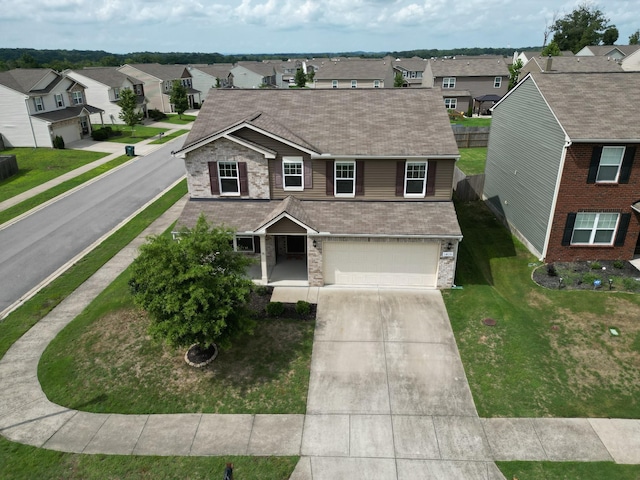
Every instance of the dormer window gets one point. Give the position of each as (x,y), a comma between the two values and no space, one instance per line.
(59,100)
(77,97)
(449,82)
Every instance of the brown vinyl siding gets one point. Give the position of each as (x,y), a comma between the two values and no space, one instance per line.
(285,226)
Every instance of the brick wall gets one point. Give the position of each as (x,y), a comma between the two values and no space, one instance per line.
(197,165)
(576,195)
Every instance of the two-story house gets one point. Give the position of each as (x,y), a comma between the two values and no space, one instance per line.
(415,71)
(464,79)
(562,165)
(157,81)
(615,52)
(205,77)
(40,104)
(570,65)
(104,85)
(254,75)
(355,73)
(329,186)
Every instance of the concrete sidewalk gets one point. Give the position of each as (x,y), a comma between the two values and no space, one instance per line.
(115,150)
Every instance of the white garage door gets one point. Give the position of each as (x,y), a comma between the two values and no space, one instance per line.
(381,263)
(70,133)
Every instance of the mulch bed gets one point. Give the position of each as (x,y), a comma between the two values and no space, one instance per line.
(260,298)
(582,275)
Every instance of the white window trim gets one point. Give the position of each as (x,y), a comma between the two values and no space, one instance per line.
(78,98)
(354,84)
(116,93)
(497,82)
(376,84)
(220,178)
(292,160)
(594,229)
(424,180)
(235,244)
(335,179)
(334,83)
(624,149)
(60,97)
(449,82)
(39,104)
(451,100)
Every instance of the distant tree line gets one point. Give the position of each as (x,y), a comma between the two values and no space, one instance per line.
(62,59)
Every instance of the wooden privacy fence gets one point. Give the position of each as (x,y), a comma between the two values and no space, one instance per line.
(469,137)
(467,188)
(8,166)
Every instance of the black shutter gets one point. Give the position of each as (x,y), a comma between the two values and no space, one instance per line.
(213,178)
(627,163)
(330,177)
(243,177)
(360,177)
(568,229)
(400,178)
(622,229)
(431,179)
(595,163)
(256,244)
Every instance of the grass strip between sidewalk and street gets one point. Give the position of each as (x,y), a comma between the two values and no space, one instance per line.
(23,318)
(37,200)
(171,136)
(40,165)
(568,470)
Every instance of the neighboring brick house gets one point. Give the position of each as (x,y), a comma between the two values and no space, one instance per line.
(562,165)
(158,81)
(329,186)
(343,73)
(463,79)
(104,85)
(39,104)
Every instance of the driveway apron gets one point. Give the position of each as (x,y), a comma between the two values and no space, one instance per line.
(388,396)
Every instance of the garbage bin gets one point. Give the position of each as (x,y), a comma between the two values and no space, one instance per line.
(130,151)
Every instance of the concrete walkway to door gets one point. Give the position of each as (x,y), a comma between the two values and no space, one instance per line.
(388,396)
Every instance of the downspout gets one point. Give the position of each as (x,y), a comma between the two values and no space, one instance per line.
(33,133)
(567,144)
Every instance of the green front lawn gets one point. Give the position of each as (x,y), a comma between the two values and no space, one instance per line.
(139,134)
(472,160)
(26,205)
(568,470)
(473,122)
(39,165)
(550,353)
(25,463)
(176,120)
(171,136)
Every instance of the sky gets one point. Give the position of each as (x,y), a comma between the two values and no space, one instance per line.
(289,26)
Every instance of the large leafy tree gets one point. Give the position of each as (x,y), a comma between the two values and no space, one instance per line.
(398,80)
(300,78)
(551,50)
(634,38)
(514,73)
(179,98)
(610,36)
(586,25)
(194,288)
(129,112)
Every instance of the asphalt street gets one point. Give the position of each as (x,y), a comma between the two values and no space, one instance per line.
(38,245)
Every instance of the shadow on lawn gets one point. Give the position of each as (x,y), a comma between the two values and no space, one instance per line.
(485,238)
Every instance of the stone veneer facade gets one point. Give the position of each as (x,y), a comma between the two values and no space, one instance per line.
(446,265)
(197,165)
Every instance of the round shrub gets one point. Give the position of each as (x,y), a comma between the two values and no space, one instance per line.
(275,309)
(303,308)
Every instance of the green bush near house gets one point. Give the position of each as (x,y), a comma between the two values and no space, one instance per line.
(275,309)
(303,308)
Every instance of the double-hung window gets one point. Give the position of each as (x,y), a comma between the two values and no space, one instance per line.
(415,179)
(376,84)
(497,82)
(77,97)
(345,179)
(292,173)
(228,178)
(594,228)
(449,82)
(334,83)
(116,93)
(354,84)
(59,100)
(245,244)
(39,103)
(451,103)
(610,162)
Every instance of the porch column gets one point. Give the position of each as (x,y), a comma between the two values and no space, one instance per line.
(263,259)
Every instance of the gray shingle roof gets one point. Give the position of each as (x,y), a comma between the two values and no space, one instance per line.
(163,72)
(594,105)
(469,67)
(261,68)
(606,49)
(218,70)
(109,76)
(355,69)
(67,113)
(573,64)
(335,217)
(24,79)
(413,64)
(358,122)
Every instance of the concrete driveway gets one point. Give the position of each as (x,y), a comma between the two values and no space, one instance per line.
(388,396)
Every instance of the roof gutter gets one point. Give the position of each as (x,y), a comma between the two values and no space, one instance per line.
(606,140)
(327,156)
(365,235)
